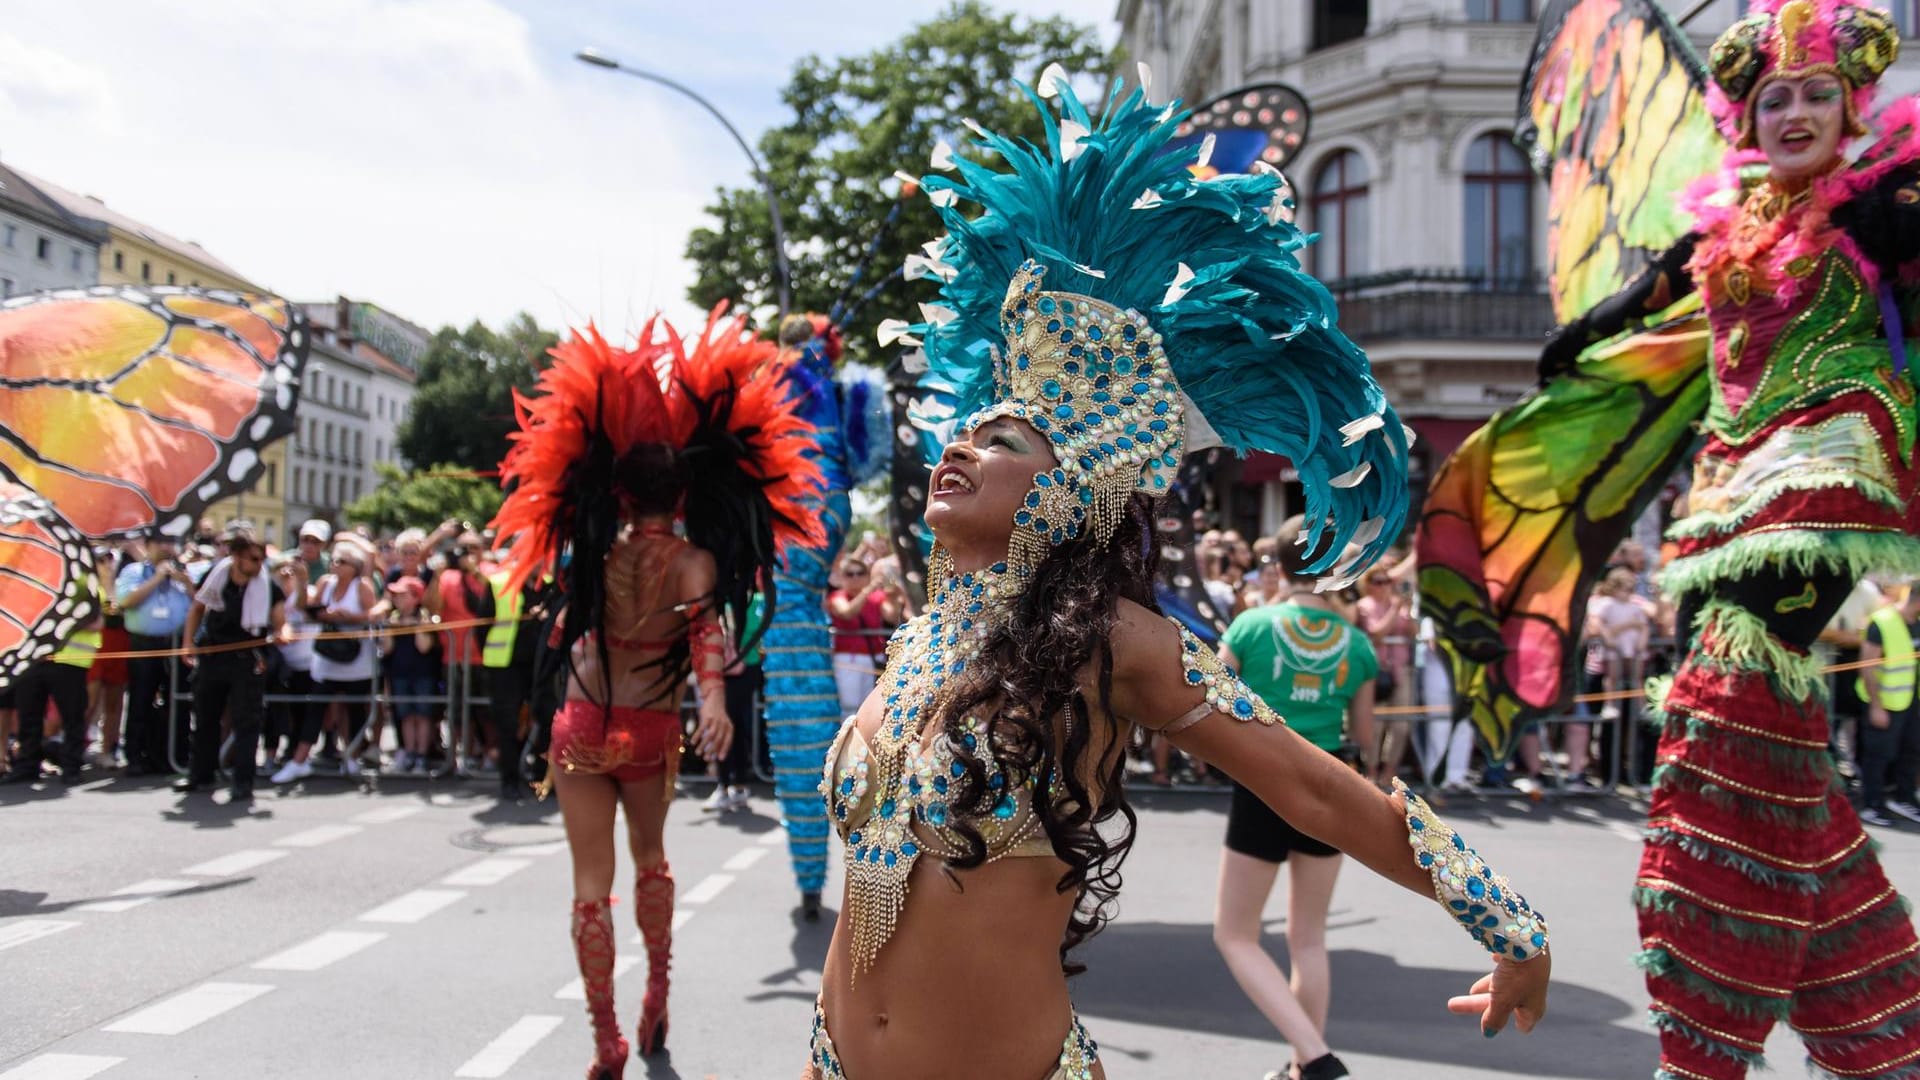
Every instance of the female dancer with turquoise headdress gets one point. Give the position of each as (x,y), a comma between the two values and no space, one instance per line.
(1103,315)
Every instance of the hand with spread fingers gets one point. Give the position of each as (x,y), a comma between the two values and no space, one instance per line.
(1513,989)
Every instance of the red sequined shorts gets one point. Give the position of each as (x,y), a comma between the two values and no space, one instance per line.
(624,743)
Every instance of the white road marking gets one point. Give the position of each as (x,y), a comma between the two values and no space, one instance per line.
(552,847)
(319,834)
(486,872)
(61,1067)
(744,858)
(1626,832)
(19,933)
(709,887)
(413,906)
(237,863)
(189,1008)
(577,990)
(319,952)
(774,838)
(143,892)
(680,918)
(387,815)
(504,1052)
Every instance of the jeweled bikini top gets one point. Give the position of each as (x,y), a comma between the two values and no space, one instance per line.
(890,797)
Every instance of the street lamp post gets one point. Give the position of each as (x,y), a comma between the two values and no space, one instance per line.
(782,272)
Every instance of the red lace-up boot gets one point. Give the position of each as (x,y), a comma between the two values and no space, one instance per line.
(593,948)
(653,910)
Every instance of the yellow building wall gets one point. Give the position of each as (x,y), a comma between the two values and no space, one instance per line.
(123,258)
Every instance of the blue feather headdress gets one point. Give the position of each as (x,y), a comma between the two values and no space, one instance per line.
(1204,268)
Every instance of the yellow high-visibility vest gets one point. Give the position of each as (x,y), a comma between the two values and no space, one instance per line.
(498,651)
(79,650)
(1896,675)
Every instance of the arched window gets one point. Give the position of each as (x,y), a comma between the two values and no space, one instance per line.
(1499,10)
(1499,240)
(1338,209)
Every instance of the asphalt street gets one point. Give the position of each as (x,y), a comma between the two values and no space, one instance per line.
(410,931)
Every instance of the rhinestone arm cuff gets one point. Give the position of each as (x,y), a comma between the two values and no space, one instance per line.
(1224,692)
(1499,918)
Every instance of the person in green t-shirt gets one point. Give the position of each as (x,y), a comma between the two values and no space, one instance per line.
(1316,669)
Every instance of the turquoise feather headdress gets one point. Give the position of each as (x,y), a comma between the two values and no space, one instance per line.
(1205,268)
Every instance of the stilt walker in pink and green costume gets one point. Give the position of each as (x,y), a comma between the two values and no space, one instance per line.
(1760,897)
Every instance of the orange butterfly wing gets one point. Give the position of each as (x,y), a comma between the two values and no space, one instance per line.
(44,570)
(126,408)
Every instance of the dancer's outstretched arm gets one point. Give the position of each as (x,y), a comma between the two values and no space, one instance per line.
(1165,680)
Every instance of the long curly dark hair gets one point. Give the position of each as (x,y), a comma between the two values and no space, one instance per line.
(1039,727)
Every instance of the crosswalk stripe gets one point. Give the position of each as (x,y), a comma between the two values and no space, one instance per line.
(774,838)
(486,872)
(189,1008)
(504,1052)
(141,892)
(708,888)
(316,953)
(744,858)
(237,863)
(386,815)
(577,990)
(61,1067)
(19,933)
(319,834)
(414,906)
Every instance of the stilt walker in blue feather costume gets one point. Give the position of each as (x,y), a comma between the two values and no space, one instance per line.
(802,706)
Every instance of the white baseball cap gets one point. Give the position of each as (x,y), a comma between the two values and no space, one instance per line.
(317,529)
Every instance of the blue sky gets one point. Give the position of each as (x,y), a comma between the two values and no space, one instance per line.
(444,158)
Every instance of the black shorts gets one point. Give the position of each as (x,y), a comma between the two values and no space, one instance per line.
(1255,831)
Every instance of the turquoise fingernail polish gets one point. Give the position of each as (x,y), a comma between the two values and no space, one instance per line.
(1489,1032)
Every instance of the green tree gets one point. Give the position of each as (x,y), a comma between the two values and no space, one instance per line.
(401,500)
(857,120)
(463,404)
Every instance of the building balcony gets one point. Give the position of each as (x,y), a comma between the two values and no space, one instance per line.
(1446,304)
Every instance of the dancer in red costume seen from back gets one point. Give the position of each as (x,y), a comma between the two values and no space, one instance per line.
(654,485)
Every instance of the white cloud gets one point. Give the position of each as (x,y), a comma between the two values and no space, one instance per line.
(41,80)
(444,158)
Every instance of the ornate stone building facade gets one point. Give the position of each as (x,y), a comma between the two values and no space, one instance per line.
(1433,229)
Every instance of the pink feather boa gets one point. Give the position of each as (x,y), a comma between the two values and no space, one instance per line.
(1715,201)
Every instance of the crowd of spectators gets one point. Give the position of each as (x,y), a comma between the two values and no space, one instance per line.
(340,653)
(346,652)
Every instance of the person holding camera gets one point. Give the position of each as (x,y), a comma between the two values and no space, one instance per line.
(238,612)
(154,595)
(862,609)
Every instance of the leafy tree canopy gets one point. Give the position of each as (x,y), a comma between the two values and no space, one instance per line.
(463,403)
(425,499)
(857,120)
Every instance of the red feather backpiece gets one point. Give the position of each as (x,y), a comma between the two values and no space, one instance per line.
(720,400)
(593,391)
(737,385)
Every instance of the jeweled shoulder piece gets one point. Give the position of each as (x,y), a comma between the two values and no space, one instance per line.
(1499,918)
(1225,692)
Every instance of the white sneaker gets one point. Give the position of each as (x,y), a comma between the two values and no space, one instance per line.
(349,767)
(291,771)
(1870,816)
(737,797)
(1905,809)
(1527,785)
(719,801)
